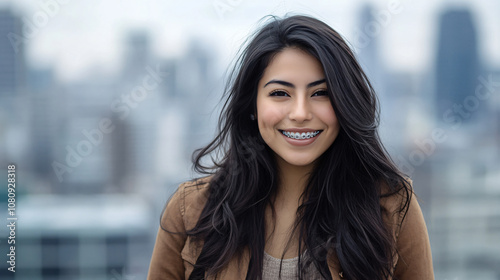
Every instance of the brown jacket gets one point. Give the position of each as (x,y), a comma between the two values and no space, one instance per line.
(174,254)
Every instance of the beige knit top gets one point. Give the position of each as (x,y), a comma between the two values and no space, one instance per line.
(289,268)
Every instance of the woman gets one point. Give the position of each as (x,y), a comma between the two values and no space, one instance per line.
(303,189)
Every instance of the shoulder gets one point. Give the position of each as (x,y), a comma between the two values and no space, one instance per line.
(190,198)
(395,202)
(398,193)
(403,210)
(172,252)
(403,216)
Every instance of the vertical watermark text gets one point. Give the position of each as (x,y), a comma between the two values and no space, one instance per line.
(12,219)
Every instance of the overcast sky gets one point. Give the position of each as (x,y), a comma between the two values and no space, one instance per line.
(84,35)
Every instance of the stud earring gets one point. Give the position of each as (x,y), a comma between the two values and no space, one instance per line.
(252,117)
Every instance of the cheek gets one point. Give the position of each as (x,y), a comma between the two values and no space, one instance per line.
(269,116)
(328,116)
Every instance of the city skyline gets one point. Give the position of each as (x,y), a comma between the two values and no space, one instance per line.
(90,35)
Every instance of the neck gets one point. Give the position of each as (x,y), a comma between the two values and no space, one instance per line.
(293,181)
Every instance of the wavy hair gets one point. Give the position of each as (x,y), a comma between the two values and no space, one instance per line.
(341,212)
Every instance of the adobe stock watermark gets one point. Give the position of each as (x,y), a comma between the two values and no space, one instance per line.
(32,26)
(94,137)
(221,7)
(453,116)
(381,19)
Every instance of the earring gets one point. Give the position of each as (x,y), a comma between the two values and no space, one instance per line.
(252,117)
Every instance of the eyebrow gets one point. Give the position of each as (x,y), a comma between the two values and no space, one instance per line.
(287,84)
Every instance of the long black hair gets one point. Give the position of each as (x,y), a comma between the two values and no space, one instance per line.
(341,212)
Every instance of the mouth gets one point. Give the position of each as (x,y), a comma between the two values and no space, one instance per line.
(300,135)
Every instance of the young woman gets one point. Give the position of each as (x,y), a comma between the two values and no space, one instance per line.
(303,188)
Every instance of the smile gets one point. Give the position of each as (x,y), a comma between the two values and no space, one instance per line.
(300,135)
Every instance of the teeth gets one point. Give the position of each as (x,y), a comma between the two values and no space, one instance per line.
(303,135)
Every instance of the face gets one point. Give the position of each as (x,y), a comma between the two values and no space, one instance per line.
(294,113)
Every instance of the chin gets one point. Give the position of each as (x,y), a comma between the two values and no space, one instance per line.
(299,162)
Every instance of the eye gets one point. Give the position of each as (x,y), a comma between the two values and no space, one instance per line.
(278,93)
(320,93)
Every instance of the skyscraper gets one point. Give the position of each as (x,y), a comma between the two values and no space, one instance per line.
(457,62)
(367,47)
(11,54)
(12,80)
(134,139)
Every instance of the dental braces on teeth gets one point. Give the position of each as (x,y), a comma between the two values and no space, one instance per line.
(298,135)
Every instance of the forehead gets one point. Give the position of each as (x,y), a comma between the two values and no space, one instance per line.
(293,65)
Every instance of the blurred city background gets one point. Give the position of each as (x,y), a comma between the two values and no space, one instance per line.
(103,102)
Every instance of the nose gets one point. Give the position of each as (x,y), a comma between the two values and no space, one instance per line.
(300,110)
